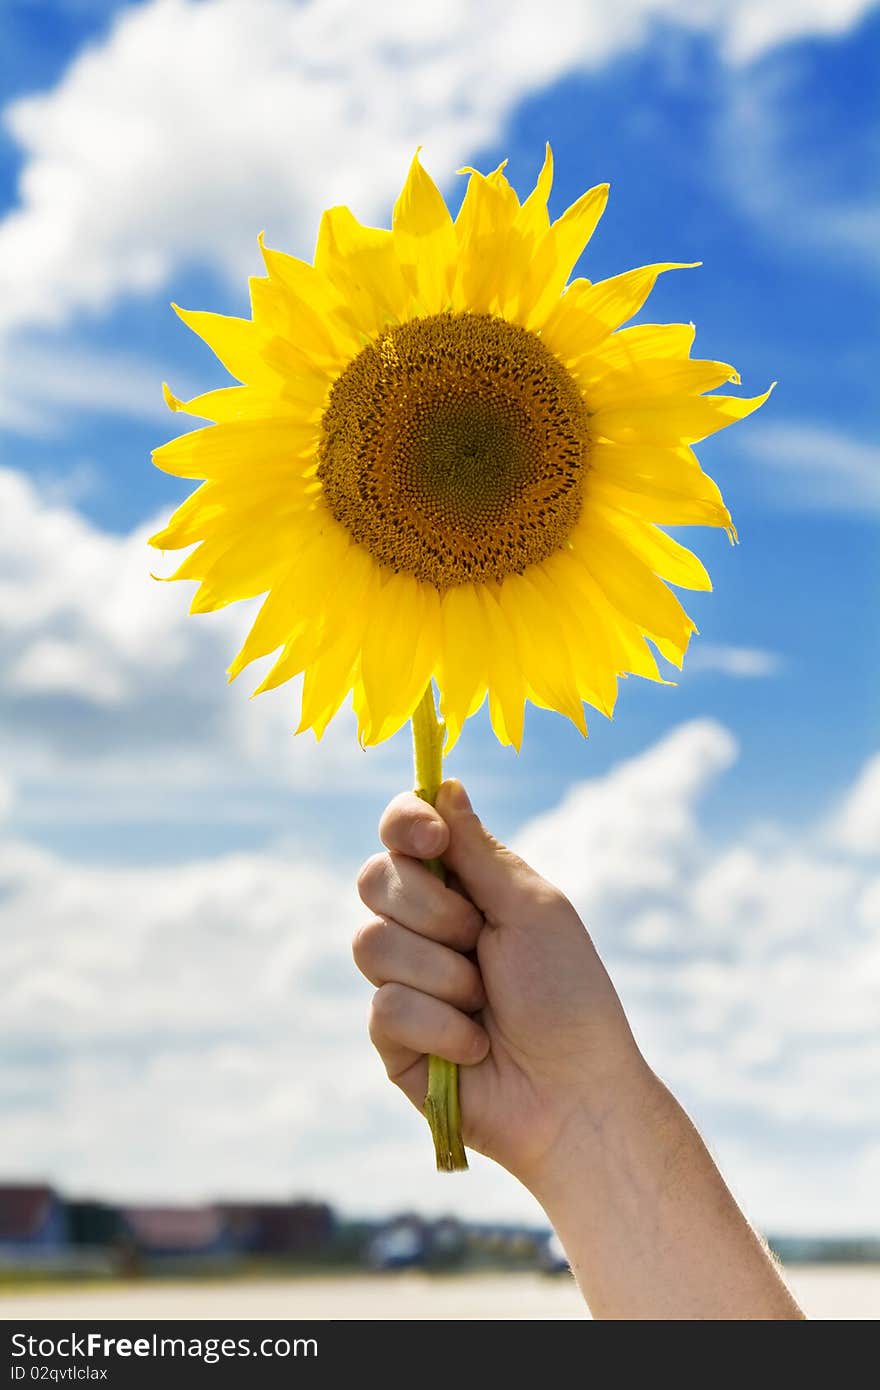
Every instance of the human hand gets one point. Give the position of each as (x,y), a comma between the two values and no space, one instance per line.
(493,970)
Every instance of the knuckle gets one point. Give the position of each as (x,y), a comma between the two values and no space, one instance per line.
(475,996)
(477,1044)
(378,940)
(458,917)
(371,877)
(543,895)
(365,941)
(464,984)
(397,811)
(388,1004)
(455,1035)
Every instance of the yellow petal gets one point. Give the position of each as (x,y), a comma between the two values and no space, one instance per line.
(230,570)
(543,651)
(400,646)
(623,638)
(621,350)
(507,688)
(556,253)
(598,654)
(240,449)
(533,217)
(237,343)
(234,403)
(632,588)
(650,380)
(587,313)
(295,339)
(665,556)
(665,506)
(595,678)
(489,205)
(327,681)
(664,466)
(462,668)
(187,524)
(327,636)
(332,675)
(218,506)
(310,635)
(424,237)
(254,359)
(323,326)
(362,263)
(296,602)
(678,422)
(491,256)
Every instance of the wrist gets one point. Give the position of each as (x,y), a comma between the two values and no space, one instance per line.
(602,1134)
(649,1226)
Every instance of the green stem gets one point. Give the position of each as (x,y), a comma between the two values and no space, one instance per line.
(441,1102)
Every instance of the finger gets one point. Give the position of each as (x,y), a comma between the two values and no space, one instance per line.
(493,877)
(405,1023)
(393,885)
(385,951)
(410,826)
(408,1070)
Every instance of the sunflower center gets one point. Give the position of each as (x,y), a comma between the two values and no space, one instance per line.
(454,448)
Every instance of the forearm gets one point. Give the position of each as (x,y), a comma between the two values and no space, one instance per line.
(650,1228)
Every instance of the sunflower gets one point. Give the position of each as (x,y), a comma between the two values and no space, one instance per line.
(447,462)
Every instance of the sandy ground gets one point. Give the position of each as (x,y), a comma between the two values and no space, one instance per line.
(842,1293)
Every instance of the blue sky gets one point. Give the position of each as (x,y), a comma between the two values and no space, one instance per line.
(142,149)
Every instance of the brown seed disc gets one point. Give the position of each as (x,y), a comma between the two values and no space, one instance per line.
(454,448)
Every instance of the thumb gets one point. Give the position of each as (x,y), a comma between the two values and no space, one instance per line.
(490,874)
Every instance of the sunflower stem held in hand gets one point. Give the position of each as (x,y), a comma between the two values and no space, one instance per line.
(441,1102)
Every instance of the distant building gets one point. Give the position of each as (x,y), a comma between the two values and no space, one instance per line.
(166,1232)
(32,1221)
(409,1241)
(402,1243)
(93,1225)
(279,1228)
(552,1256)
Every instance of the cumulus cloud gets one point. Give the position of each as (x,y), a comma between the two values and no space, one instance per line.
(743,663)
(625,832)
(751,968)
(107,682)
(190,126)
(814,468)
(114,700)
(199,1028)
(5,797)
(856,824)
(184,1031)
(806,179)
(755,26)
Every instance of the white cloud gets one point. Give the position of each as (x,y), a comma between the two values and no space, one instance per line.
(750,970)
(174,139)
(810,467)
(6,796)
(107,682)
(756,26)
(192,126)
(193,1029)
(805,187)
(619,833)
(743,663)
(856,824)
(201,1029)
(44,381)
